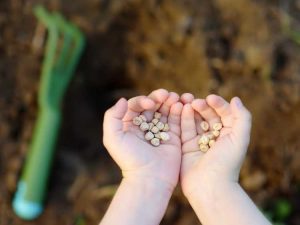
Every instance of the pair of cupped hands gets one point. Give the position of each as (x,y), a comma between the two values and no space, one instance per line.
(178,158)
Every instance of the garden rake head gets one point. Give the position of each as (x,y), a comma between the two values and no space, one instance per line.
(64,46)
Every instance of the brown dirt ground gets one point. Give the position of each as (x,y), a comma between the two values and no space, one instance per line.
(229,47)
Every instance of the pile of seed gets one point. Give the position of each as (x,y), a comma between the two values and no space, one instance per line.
(208,139)
(155,131)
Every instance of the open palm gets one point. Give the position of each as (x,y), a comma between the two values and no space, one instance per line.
(126,144)
(223,160)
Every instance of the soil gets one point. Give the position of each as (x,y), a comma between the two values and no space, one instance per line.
(228,47)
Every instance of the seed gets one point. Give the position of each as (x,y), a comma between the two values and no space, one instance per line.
(204,125)
(143,118)
(137,121)
(144,126)
(166,127)
(203,147)
(157,115)
(155,142)
(150,125)
(210,135)
(155,121)
(157,135)
(203,140)
(211,143)
(216,133)
(160,125)
(149,135)
(217,126)
(154,129)
(164,136)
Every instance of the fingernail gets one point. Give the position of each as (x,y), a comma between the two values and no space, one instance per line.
(238,102)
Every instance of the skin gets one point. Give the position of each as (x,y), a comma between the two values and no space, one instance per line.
(210,180)
(226,156)
(150,174)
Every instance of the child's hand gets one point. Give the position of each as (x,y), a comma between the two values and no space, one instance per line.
(125,142)
(222,162)
(209,180)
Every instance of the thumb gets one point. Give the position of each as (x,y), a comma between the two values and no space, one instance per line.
(242,121)
(113,124)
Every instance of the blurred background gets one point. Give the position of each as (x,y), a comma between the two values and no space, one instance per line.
(229,47)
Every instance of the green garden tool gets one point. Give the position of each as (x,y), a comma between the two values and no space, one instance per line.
(64,47)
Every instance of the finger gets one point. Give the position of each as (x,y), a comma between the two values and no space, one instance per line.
(166,106)
(242,121)
(174,118)
(140,103)
(187,98)
(159,96)
(222,108)
(198,120)
(188,126)
(191,146)
(137,105)
(113,124)
(206,112)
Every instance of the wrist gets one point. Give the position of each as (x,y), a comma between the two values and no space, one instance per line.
(151,180)
(227,200)
(207,189)
(152,187)
(138,201)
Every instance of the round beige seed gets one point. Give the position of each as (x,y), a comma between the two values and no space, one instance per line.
(203,140)
(137,121)
(217,126)
(154,129)
(155,142)
(155,121)
(149,135)
(211,143)
(204,125)
(166,127)
(216,133)
(144,126)
(203,148)
(157,115)
(210,135)
(151,125)
(164,136)
(143,118)
(160,125)
(157,135)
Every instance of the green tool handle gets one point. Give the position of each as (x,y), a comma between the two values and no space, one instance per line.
(38,162)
